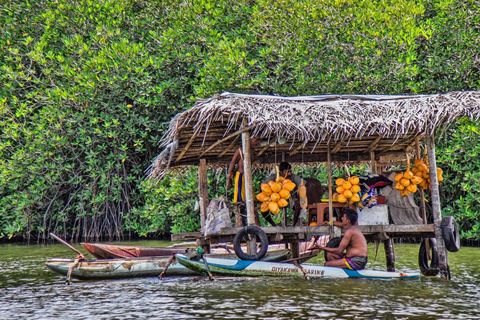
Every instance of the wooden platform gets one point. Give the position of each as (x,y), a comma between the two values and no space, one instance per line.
(299,234)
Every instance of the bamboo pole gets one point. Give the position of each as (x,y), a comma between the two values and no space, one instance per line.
(437,213)
(203,191)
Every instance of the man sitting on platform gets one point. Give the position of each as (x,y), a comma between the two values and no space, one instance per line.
(352,251)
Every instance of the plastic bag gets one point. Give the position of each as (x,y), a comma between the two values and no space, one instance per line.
(218,216)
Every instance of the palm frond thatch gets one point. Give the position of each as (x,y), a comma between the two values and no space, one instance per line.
(353,126)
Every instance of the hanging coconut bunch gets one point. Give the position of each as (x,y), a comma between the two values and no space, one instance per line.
(422,170)
(347,190)
(275,194)
(407,181)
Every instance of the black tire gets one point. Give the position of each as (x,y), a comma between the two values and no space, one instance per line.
(427,269)
(450,234)
(333,243)
(242,236)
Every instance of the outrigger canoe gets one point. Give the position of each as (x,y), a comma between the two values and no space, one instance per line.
(234,267)
(115,251)
(135,267)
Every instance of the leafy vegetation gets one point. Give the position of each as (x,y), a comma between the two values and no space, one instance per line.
(87,86)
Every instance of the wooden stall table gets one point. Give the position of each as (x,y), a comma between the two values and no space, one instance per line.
(320,207)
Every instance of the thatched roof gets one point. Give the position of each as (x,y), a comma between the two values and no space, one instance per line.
(353,126)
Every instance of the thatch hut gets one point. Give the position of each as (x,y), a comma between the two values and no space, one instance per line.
(325,128)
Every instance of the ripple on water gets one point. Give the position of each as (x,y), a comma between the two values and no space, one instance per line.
(30,291)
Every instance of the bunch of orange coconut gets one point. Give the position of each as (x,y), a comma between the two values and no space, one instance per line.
(408,181)
(275,194)
(347,190)
(422,170)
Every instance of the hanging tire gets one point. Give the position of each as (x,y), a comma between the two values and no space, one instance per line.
(242,236)
(333,243)
(450,234)
(428,269)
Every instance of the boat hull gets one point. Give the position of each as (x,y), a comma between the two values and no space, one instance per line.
(113,251)
(234,267)
(135,267)
(275,252)
(117,268)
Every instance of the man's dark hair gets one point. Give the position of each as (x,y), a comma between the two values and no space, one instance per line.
(351,215)
(284,166)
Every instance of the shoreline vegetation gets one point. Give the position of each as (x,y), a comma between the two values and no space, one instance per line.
(88,87)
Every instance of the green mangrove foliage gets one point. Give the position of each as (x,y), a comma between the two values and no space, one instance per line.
(86,88)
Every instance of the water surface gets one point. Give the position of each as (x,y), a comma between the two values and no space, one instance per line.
(30,291)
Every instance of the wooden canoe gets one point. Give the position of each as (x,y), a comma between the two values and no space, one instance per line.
(234,267)
(117,268)
(136,267)
(114,251)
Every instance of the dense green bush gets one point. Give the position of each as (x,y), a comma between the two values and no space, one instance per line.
(459,158)
(87,86)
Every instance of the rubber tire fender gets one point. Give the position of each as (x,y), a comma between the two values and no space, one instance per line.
(425,268)
(260,234)
(333,243)
(450,234)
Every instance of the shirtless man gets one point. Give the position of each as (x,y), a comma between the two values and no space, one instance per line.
(353,243)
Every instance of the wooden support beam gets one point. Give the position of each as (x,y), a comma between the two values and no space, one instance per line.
(330,185)
(373,145)
(413,144)
(437,213)
(407,141)
(263,150)
(421,193)
(247,173)
(389,254)
(297,149)
(295,249)
(185,149)
(203,191)
(236,133)
(373,163)
(338,146)
(420,190)
(230,146)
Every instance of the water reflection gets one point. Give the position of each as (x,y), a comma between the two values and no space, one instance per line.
(30,291)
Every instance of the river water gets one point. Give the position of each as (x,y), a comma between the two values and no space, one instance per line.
(30,291)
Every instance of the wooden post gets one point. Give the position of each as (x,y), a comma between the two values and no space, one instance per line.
(422,200)
(203,191)
(373,163)
(295,248)
(437,213)
(330,191)
(389,254)
(247,173)
(420,190)
(285,220)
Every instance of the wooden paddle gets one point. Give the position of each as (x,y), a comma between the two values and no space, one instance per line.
(68,245)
